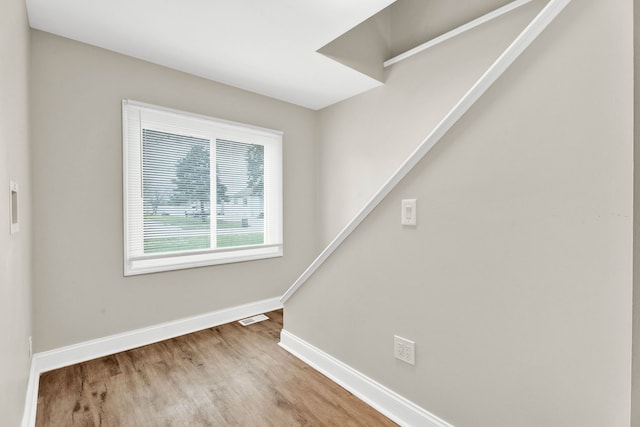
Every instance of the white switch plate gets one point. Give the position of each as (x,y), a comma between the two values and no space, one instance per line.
(13,207)
(409,212)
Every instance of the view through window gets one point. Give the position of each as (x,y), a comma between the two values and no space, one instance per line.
(203,190)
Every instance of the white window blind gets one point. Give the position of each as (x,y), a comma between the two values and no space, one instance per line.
(198,190)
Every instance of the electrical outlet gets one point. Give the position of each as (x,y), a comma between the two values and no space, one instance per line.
(404,349)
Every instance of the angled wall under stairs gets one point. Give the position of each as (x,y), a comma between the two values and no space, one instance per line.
(516,283)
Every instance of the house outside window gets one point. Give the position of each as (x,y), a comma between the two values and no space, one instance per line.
(198,190)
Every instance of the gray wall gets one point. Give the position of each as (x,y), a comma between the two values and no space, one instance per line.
(415,21)
(635,394)
(517,282)
(366,138)
(80,291)
(15,255)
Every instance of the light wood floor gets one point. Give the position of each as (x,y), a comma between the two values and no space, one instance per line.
(225,376)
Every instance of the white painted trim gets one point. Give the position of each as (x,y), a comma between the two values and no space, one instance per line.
(137,116)
(457,31)
(88,350)
(227,123)
(519,45)
(379,397)
(31,400)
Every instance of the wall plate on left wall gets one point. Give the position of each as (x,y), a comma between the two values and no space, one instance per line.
(13,206)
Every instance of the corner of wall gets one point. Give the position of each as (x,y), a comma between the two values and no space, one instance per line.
(635,377)
(15,248)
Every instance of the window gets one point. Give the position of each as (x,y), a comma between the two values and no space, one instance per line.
(198,190)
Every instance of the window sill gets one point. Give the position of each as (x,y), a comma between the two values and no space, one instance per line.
(155,264)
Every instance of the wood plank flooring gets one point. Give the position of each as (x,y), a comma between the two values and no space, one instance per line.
(224,376)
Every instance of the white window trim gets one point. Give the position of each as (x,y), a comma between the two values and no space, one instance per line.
(273,247)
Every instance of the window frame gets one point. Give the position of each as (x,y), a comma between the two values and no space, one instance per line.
(138,115)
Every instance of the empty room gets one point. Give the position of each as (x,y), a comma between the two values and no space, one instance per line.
(319,213)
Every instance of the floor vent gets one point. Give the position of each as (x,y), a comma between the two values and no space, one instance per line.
(254,319)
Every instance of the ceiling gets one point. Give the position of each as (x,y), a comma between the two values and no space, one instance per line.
(264,46)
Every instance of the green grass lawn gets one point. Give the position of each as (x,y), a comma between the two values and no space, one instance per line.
(186,243)
(172,244)
(243,239)
(222,224)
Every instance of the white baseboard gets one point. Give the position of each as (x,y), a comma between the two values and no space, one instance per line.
(31,401)
(385,401)
(88,350)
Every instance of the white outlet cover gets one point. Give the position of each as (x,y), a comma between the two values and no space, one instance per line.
(404,349)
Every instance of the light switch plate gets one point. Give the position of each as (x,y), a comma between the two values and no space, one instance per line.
(13,207)
(409,212)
